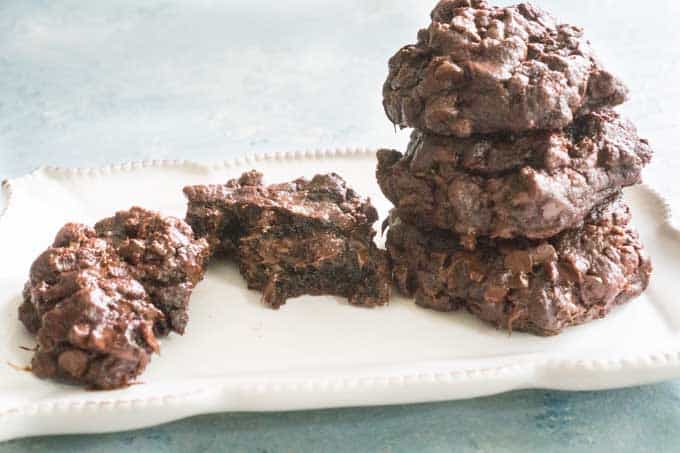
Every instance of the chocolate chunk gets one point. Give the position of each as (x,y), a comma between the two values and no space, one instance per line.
(519,261)
(301,237)
(479,69)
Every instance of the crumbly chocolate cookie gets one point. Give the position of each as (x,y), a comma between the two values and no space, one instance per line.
(534,286)
(479,69)
(162,255)
(99,334)
(76,247)
(98,297)
(301,237)
(534,184)
(94,322)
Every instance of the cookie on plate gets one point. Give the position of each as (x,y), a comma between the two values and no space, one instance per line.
(533,184)
(100,332)
(301,237)
(97,298)
(535,286)
(163,255)
(479,69)
(94,322)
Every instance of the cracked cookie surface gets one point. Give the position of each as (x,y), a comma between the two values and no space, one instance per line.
(534,184)
(535,286)
(98,298)
(479,69)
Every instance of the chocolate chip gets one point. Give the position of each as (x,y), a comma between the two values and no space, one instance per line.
(519,261)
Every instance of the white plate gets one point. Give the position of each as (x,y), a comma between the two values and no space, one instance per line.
(316,351)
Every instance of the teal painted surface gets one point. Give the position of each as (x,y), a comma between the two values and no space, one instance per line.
(89,83)
(628,420)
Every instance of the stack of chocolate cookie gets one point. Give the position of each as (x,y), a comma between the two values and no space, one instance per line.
(508,198)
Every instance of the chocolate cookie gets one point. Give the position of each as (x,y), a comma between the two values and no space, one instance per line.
(99,334)
(76,248)
(534,184)
(482,69)
(98,297)
(534,286)
(302,237)
(162,255)
(94,322)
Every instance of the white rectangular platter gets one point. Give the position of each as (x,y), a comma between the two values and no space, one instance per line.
(315,352)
